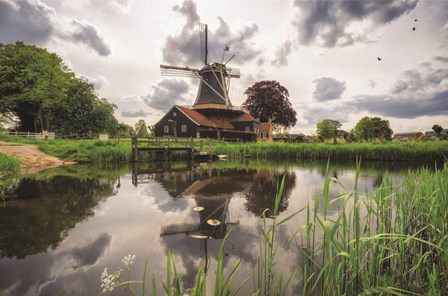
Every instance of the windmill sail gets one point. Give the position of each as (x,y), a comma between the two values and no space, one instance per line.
(214,78)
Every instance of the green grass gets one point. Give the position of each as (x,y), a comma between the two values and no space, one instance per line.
(8,164)
(409,151)
(88,151)
(390,242)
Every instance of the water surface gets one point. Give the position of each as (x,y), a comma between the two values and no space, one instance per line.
(60,229)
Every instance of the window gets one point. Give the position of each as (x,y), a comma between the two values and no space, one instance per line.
(183,128)
(264,135)
(247,128)
(166,129)
(174,114)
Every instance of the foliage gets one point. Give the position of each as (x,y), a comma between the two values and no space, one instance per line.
(270,100)
(38,89)
(81,112)
(8,164)
(438,129)
(368,129)
(123,130)
(140,129)
(327,128)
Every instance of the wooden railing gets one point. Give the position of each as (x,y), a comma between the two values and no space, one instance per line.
(169,142)
(42,135)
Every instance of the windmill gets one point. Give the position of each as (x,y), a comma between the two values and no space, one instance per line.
(214,78)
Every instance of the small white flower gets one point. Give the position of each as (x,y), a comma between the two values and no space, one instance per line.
(128,260)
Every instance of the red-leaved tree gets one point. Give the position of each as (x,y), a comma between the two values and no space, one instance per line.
(270,100)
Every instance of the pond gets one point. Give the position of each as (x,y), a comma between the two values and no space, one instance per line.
(60,228)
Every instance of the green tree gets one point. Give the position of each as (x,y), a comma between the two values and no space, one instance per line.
(141,130)
(370,128)
(382,129)
(438,129)
(32,81)
(327,129)
(270,100)
(123,130)
(82,112)
(37,89)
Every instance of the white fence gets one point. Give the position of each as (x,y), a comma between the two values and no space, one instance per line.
(42,135)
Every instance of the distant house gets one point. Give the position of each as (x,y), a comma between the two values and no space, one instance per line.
(408,136)
(293,138)
(433,134)
(189,122)
(265,132)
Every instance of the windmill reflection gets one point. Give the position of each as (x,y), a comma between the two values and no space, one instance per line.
(212,191)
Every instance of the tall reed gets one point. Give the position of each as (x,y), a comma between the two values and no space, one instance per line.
(414,151)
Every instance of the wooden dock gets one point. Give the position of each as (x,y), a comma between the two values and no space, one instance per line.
(163,148)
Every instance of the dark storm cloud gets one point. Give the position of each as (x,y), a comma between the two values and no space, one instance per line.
(328,88)
(166,93)
(281,56)
(185,48)
(89,35)
(329,21)
(405,107)
(139,113)
(418,93)
(35,22)
(28,21)
(88,255)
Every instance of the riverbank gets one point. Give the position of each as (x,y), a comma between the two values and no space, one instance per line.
(110,152)
(28,157)
(381,151)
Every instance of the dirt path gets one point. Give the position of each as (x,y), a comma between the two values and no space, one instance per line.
(32,160)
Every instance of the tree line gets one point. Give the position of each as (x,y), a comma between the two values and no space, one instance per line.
(38,92)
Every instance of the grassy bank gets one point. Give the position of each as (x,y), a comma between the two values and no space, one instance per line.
(8,164)
(391,242)
(90,151)
(410,151)
(107,152)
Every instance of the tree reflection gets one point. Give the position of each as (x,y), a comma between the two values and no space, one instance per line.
(262,194)
(39,213)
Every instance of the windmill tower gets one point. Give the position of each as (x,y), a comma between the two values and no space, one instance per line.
(214,78)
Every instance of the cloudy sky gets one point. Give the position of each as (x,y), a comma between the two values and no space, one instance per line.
(324,52)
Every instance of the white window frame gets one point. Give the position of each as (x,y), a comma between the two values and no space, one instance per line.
(174,114)
(183,128)
(248,128)
(166,129)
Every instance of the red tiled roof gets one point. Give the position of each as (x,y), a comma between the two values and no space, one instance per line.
(223,123)
(203,120)
(245,117)
(265,127)
(197,117)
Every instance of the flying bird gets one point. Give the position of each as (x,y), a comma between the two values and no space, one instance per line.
(413,29)
(415,20)
(379,59)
